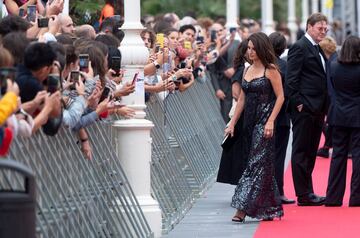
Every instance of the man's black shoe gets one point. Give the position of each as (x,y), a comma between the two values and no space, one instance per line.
(285,200)
(323,152)
(311,200)
(313,195)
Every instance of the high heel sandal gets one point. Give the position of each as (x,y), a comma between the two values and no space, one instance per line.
(238,219)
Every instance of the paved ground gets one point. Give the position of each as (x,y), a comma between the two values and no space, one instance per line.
(211,215)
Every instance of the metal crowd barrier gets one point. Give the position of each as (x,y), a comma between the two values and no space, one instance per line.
(186,148)
(77,197)
(81,198)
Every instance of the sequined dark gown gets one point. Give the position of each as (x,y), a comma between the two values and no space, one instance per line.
(256,193)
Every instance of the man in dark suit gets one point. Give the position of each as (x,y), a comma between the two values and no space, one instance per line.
(307,91)
(282,129)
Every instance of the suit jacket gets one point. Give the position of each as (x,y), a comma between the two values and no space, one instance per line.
(216,70)
(306,78)
(283,118)
(345,104)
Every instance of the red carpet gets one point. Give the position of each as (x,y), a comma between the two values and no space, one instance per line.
(319,222)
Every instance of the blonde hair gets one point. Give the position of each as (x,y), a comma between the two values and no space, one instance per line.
(328,45)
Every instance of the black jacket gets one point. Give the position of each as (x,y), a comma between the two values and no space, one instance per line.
(345,99)
(306,78)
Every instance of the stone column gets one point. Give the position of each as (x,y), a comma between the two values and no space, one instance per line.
(292,20)
(267,16)
(132,137)
(232,13)
(314,6)
(304,13)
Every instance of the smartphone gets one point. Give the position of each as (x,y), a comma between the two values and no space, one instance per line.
(74,78)
(84,62)
(135,78)
(160,40)
(116,65)
(182,65)
(200,39)
(31,13)
(53,83)
(21,12)
(187,45)
(232,29)
(105,94)
(43,22)
(8,73)
(213,35)
(5,74)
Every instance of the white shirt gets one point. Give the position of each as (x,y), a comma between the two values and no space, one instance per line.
(314,43)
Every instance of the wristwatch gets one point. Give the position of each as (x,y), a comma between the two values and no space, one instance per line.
(157,65)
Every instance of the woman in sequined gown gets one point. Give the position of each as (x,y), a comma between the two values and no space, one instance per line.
(261,98)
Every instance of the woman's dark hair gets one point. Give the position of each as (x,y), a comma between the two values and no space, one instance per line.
(65,39)
(16,43)
(278,42)
(12,23)
(60,52)
(350,51)
(97,58)
(108,39)
(263,48)
(71,54)
(169,31)
(240,56)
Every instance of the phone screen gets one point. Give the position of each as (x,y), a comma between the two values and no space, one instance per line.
(200,39)
(84,61)
(53,83)
(31,13)
(232,29)
(213,35)
(21,12)
(116,65)
(105,94)
(8,73)
(43,22)
(74,78)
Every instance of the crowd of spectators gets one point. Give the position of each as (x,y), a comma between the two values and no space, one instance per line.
(56,74)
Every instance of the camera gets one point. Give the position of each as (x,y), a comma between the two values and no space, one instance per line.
(43,22)
(116,65)
(53,83)
(31,13)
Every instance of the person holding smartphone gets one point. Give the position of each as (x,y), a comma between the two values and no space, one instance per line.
(13,6)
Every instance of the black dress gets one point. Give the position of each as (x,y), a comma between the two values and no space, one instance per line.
(257,193)
(232,163)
